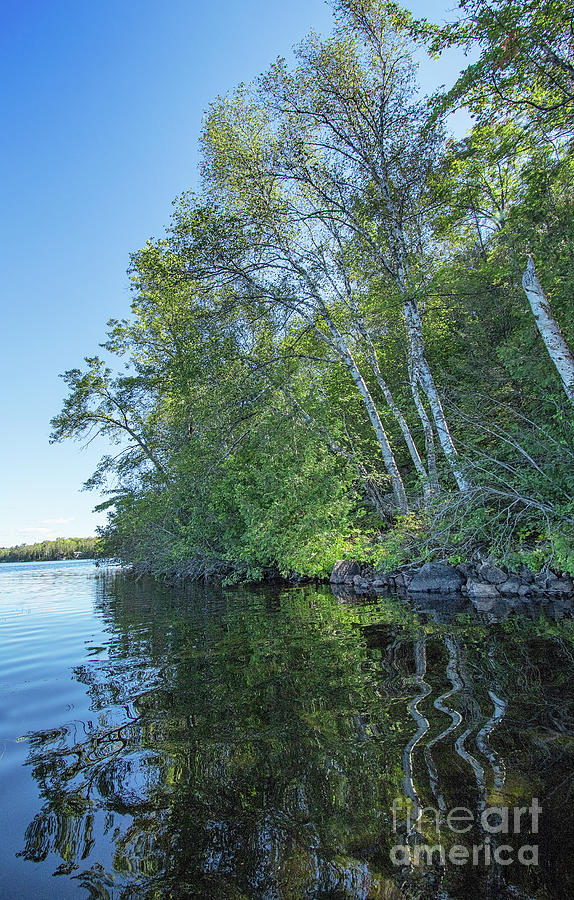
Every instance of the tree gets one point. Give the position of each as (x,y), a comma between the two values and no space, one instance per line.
(525,70)
(549,329)
(100,404)
(340,154)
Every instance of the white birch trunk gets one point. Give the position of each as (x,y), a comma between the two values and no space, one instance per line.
(403,425)
(372,357)
(397,245)
(549,329)
(433,485)
(386,450)
(389,460)
(338,449)
(337,343)
(397,413)
(426,381)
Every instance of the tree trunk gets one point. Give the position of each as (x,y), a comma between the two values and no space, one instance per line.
(368,482)
(549,329)
(386,450)
(401,421)
(433,485)
(338,343)
(372,357)
(397,245)
(425,379)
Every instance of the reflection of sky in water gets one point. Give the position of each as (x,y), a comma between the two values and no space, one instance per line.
(232,744)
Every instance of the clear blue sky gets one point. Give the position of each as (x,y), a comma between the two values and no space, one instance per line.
(101,108)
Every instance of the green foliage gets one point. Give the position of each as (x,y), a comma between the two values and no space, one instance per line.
(293,509)
(396,547)
(524,68)
(563,549)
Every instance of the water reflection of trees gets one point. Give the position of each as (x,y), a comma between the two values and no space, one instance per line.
(251,745)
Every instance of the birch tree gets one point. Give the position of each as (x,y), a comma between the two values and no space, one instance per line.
(276,261)
(549,329)
(343,140)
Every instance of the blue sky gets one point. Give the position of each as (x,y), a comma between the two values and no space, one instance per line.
(101,109)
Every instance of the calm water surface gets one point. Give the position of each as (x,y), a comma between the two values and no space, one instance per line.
(241,744)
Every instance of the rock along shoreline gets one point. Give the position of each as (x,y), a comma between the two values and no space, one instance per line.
(483,583)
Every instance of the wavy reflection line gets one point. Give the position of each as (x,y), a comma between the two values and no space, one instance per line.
(475,765)
(482,738)
(474,716)
(421,720)
(455,716)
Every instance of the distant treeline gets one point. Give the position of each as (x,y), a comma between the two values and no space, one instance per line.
(61,548)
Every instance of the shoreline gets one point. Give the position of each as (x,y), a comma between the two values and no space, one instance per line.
(483,583)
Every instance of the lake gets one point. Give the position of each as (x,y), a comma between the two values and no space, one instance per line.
(272,743)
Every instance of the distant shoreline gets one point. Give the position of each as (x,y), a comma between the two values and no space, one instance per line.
(53,559)
(57,550)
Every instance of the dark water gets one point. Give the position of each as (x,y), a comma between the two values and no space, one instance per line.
(251,744)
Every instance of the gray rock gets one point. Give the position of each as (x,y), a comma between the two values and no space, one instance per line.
(511,587)
(513,602)
(526,575)
(484,604)
(467,570)
(479,590)
(442,606)
(434,578)
(554,609)
(560,586)
(344,571)
(344,593)
(379,583)
(361,584)
(525,590)
(491,573)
